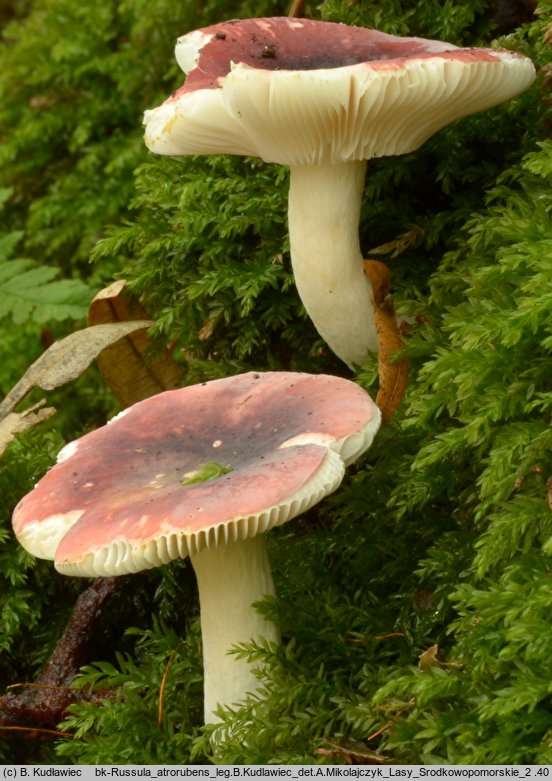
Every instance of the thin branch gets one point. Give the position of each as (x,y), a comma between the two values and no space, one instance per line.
(296,8)
(44,702)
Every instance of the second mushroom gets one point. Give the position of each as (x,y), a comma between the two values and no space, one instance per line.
(203,471)
(323,98)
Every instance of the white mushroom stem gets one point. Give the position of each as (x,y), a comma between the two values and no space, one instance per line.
(230,579)
(324,213)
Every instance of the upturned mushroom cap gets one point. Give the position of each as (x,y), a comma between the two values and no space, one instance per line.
(120,499)
(301,92)
(323,98)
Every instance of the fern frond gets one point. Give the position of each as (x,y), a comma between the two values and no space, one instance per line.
(31,292)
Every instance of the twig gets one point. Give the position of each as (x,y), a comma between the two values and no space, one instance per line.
(172,657)
(296,8)
(44,702)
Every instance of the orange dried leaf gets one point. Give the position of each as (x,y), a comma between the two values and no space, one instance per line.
(131,368)
(393,375)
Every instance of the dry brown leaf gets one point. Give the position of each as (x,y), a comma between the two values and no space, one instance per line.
(207,329)
(17,422)
(402,243)
(67,359)
(549,491)
(115,304)
(393,375)
(130,368)
(429,659)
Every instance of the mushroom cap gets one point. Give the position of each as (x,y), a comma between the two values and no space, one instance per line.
(302,92)
(119,499)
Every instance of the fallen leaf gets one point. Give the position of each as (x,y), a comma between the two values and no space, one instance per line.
(393,375)
(429,659)
(400,244)
(207,329)
(424,600)
(67,359)
(17,422)
(130,367)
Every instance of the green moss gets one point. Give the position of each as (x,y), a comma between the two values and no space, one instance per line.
(442,534)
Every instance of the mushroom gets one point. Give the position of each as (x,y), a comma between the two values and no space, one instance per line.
(201,471)
(323,98)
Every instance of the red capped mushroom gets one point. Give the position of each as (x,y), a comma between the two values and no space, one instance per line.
(323,98)
(202,471)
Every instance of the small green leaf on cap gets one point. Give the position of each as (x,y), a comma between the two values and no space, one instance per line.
(208,471)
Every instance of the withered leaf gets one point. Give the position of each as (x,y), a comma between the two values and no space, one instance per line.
(393,375)
(130,367)
(400,244)
(429,659)
(67,359)
(17,422)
